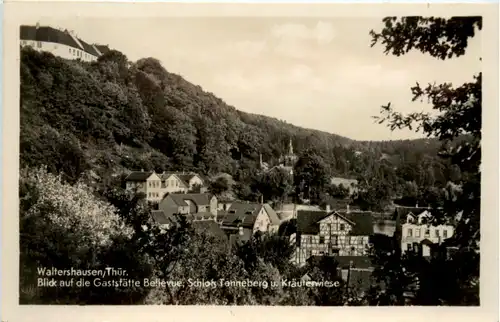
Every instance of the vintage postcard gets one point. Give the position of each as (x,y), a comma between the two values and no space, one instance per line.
(259,161)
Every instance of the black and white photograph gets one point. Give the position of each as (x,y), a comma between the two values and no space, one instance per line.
(251,160)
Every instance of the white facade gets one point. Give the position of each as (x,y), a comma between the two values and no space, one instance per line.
(60,50)
(417,229)
(151,188)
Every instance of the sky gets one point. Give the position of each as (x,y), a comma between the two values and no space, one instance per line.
(310,72)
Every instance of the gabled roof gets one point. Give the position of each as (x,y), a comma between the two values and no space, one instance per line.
(47,34)
(211,228)
(166,175)
(102,48)
(200,199)
(244,214)
(308,221)
(138,176)
(363,223)
(161,218)
(275,220)
(89,49)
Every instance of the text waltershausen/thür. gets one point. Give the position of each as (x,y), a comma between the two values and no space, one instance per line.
(52,271)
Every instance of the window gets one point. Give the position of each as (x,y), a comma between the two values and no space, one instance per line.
(342,227)
(417,232)
(427,232)
(409,246)
(437,232)
(335,240)
(321,239)
(410,232)
(445,233)
(310,239)
(70,50)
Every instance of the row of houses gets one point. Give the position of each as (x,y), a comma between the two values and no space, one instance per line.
(156,185)
(336,231)
(62,43)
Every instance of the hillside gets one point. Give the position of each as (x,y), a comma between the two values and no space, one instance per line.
(112,115)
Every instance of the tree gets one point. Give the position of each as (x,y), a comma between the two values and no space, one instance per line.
(458,118)
(67,226)
(219,185)
(275,184)
(312,174)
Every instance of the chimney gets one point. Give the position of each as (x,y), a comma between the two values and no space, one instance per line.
(416,205)
(142,170)
(261,199)
(37,25)
(347,208)
(240,230)
(328,209)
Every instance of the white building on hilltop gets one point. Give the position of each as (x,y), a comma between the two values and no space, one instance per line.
(62,43)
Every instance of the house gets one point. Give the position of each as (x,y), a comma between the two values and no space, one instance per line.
(196,206)
(148,183)
(417,232)
(62,43)
(172,183)
(163,220)
(183,182)
(337,233)
(247,218)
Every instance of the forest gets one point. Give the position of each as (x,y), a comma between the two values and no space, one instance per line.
(104,118)
(84,125)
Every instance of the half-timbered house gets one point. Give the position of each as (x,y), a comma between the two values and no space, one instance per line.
(337,233)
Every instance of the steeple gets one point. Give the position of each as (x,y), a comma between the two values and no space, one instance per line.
(291,147)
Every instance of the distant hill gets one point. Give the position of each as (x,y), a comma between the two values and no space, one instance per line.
(112,115)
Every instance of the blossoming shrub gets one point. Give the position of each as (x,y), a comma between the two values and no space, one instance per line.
(66,226)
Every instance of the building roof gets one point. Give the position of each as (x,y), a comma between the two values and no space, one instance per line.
(47,34)
(161,218)
(89,49)
(273,216)
(139,176)
(102,48)
(200,199)
(308,221)
(211,228)
(363,223)
(244,214)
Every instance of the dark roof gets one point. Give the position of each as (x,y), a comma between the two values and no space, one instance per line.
(88,48)
(357,261)
(307,221)
(211,228)
(363,223)
(200,199)
(138,176)
(102,48)
(47,34)
(161,218)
